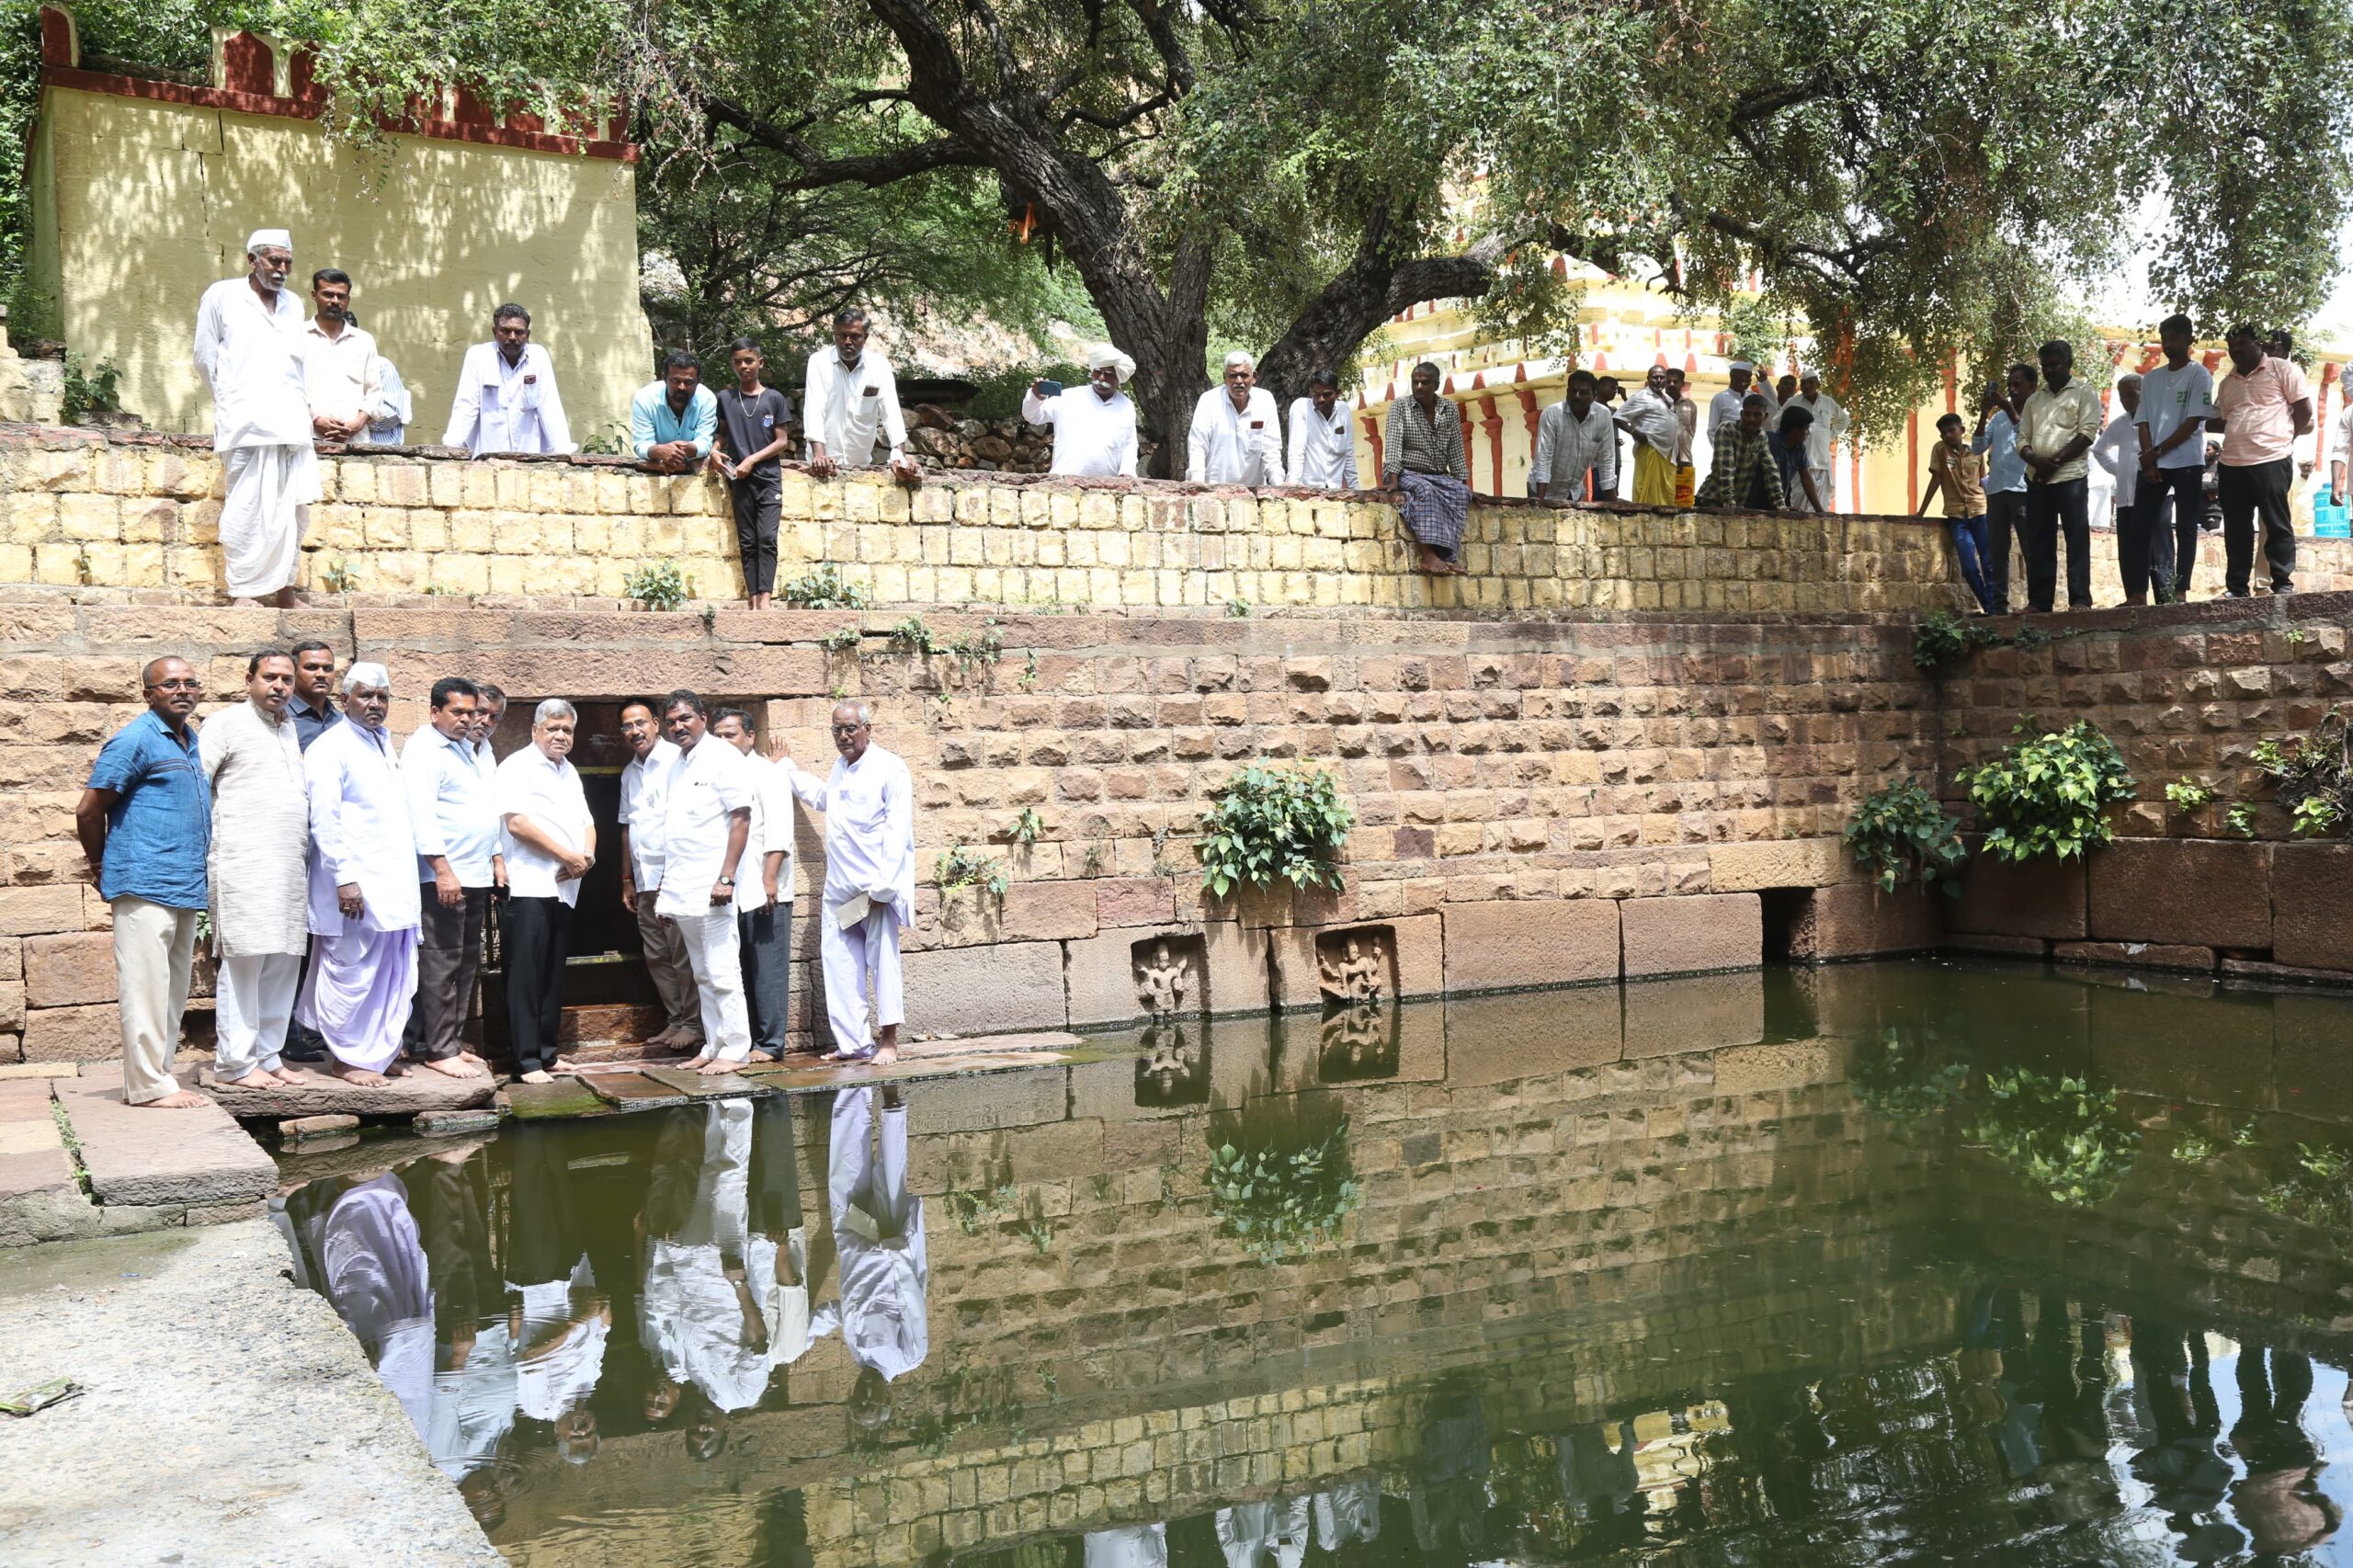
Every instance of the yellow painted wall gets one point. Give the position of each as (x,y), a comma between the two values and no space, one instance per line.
(139,205)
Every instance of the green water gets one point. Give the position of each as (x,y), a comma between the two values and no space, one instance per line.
(1900,1262)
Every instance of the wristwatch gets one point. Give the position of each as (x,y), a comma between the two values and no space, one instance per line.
(727,882)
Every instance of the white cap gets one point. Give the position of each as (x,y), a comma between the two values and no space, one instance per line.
(1103,355)
(1240,357)
(1744,365)
(266,237)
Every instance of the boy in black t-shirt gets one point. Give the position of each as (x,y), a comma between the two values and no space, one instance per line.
(752,440)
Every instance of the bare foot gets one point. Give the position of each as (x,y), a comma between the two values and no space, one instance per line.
(363,1077)
(245,603)
(289,599)
(538,1076)
(259,1078)
(884,1055)
(454,1067)
(711,1067)
(181,1099)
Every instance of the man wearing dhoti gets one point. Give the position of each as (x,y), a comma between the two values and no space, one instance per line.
(879,1250)
(1653,418)
(249,348)
(869,801)
(364,905)
(1425,463)
(260,833)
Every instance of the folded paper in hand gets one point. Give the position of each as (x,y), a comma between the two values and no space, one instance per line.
(852,909)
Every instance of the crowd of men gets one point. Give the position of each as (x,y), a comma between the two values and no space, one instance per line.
(348,882)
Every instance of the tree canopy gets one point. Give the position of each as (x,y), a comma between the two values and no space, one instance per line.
(1907,179)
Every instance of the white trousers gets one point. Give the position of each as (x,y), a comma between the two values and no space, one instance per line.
(264,515)
(253,998)
(851,960)
(855,1178)
(1826,484)
(155,947)
(714,952)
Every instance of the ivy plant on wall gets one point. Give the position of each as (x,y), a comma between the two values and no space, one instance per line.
(1901,832)
(2314,775)
(1283,1202)
(2048,794)
(1271,824)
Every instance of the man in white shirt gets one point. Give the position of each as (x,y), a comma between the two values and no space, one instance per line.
(338,362)
(2056,430)
(1829,427)
(1322,448)
(645,787)
(850,398)
(1574,437)
(550,843)
(364,911)
(2177,398)
(706,837)
(2117,455)
(457,863)
(1236,438)
(879,1260)
(1095,425)
(1724,407)
(249,350)
(506,399)
(869,802)
(764,896)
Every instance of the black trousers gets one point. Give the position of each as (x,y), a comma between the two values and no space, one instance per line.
(448,950)
(764,938)
(537,932)
(2252,491)
(759,506)
(2053,511)
(2170,509)
(2005,520)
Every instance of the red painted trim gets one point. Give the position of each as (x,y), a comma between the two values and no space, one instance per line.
(299,108)
(1493,423)
(1372,434)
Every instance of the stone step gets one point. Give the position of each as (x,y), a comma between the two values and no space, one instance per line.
(40,1193)
(320,1093)
(193,1165)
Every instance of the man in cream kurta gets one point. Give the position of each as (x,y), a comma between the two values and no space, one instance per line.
(260,833)
(869,802)
(249,348)
(364,906)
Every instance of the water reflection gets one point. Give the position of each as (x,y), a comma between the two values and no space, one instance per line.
(1892,1263)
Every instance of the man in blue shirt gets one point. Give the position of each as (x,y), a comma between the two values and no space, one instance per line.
(145,820)
(1997,443)
(672,421)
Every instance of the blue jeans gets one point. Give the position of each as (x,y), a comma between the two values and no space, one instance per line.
(1972,543)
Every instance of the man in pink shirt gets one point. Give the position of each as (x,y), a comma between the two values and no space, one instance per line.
(2260,409)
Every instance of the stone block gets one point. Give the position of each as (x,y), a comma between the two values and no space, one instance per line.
(1776,863)
(1134,901)
(2033,898)
(990,990)
(1513,943)
(73,1034)
(1500,1038)
(12,1006)
(1858,919)
(1703,1012)
(2312,906)
(1753,1069)
(1226,970)
(1049,911)
(26,912)
(1408,952)
(2002,947)
(70,971)
(140,1156)
(991,1100)
(1691,933)
(2204,892)
(2136,955)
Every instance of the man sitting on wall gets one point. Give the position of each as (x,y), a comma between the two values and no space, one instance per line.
(506,398)
(672,421)
(249,348)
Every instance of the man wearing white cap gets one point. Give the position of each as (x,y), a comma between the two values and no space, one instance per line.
(1238,438)
(1095,425)
(249,349)
(1724,407)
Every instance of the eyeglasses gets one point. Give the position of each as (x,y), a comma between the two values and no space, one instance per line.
(179,686)
(848,729)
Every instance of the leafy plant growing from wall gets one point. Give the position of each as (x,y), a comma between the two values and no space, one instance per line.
(822,587)
(2313,775)
(1283,1202)
(2057,1133)
(2048,794)
(1902,831)
(1270,825)
(963,866)
(1944,637)
(659,585)
(89,389)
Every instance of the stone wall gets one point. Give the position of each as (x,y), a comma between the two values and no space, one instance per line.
(141,514)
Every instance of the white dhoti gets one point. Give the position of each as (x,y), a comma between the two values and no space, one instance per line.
(854,960)
(1825,485)
(264,516)
(714,952)
(252,999)
(359,996)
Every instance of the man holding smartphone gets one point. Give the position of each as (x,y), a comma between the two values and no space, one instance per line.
(753,441)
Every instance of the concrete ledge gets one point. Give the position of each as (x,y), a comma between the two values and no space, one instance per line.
(1692,933)
(1776,863)
(2136,955)
(2195,892)
(1502,945)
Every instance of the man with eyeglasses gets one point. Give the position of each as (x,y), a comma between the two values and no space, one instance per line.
(869,801)
(145,823)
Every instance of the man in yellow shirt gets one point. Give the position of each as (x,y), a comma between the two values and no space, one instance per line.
(2056,430)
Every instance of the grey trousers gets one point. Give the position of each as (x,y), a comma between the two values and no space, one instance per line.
(666,963)
(767,939)
(448,951)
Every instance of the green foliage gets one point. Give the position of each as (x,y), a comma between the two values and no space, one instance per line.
(658,585)
(822,587)
(2056,1133)
(609,439)
(914,635)
(1945,637)
(840,639)
(1898,1076)
(1027,828)
(974,1211)
(1237,610)
(89,390)
(1270,825)
(338,576)
(1000,393)
(2241,819)
(2313,775)
(1902,829)
(2050,794)
(965,868)
(2188,794)
(1283,1202)
(2318,1191)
